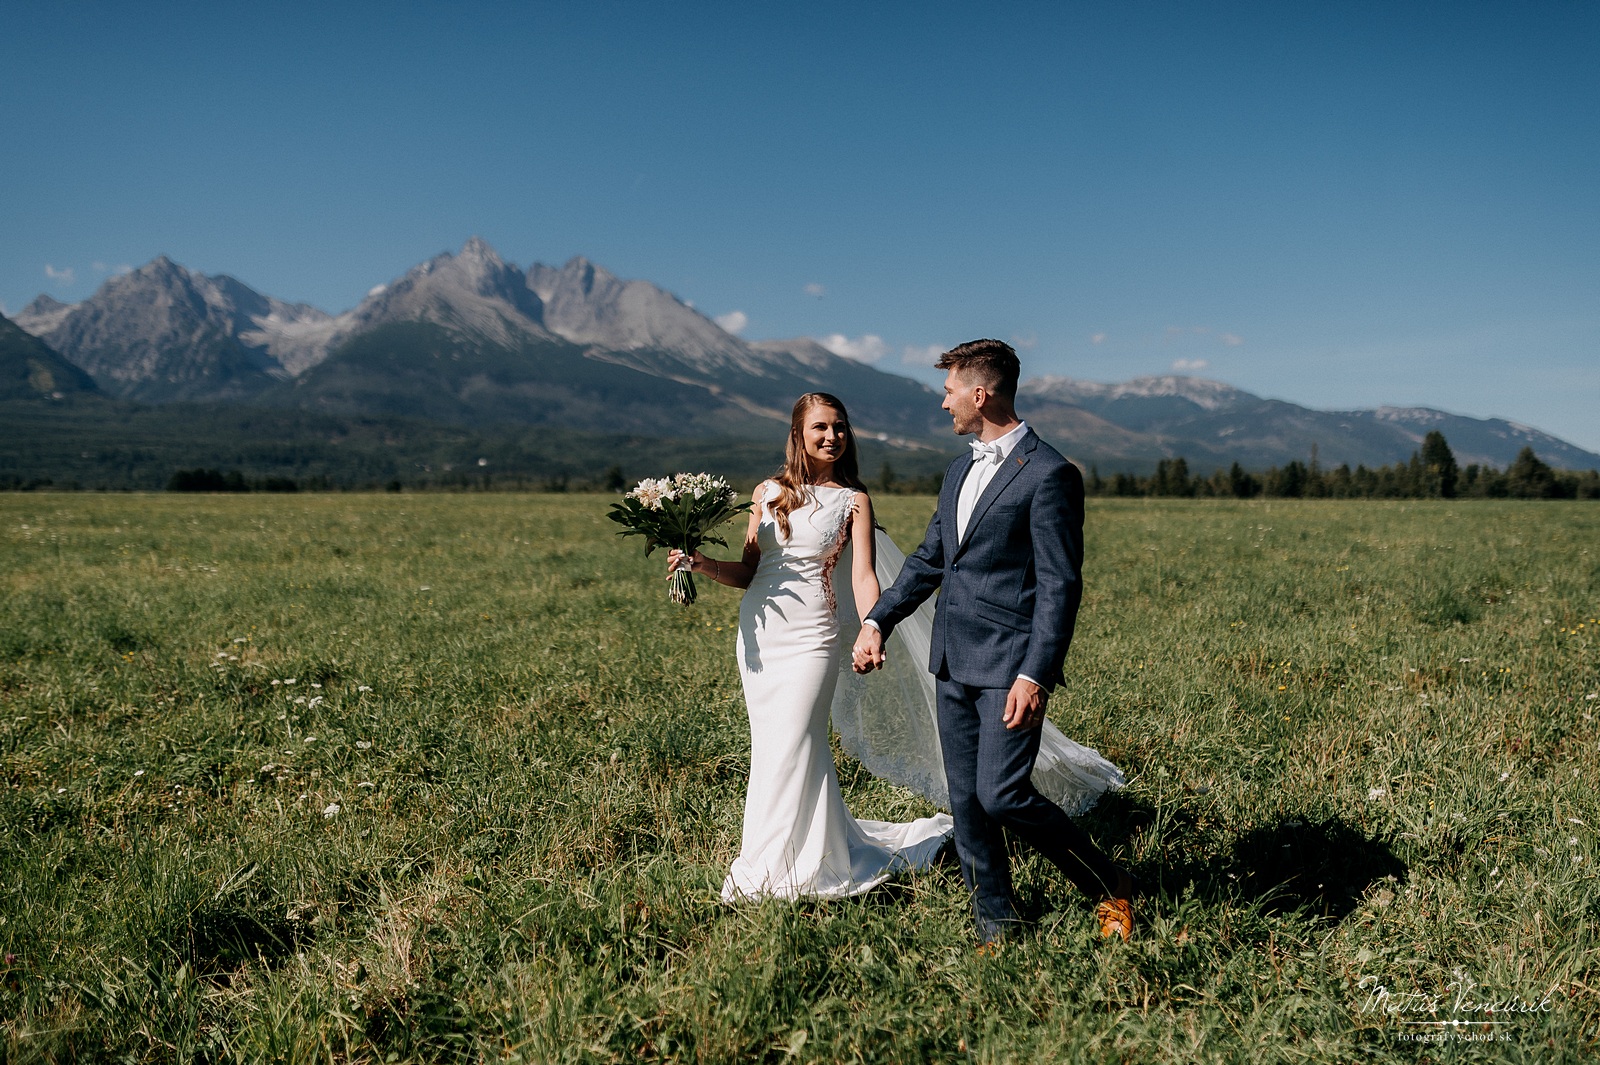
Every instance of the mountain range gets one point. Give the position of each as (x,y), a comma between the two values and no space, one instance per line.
(468,340)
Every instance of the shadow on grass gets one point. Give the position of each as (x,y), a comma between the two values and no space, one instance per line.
(1319,866)
(222,937)
(242,921)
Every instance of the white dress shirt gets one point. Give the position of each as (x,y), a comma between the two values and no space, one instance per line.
(981,473)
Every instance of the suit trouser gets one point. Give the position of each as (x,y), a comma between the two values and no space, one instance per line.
(988,768)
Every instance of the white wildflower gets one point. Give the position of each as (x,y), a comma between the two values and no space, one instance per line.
(309,739)
(314,702)
(1376,793)
(290,680)
(241,639)
(364,688)
(329,810)
(276,683)
(366,784)
(314,684)
(138,772)
(365,745)
(1506,775)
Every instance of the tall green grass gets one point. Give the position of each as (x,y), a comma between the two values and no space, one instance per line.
(395,778)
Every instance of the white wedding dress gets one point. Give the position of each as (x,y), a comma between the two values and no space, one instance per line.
(795,622)
(799,838)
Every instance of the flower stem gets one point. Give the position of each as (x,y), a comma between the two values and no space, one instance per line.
(683,587)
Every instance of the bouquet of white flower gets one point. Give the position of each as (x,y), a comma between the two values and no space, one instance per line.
(679,511)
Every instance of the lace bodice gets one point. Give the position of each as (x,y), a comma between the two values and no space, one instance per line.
(818,531)
(816,528)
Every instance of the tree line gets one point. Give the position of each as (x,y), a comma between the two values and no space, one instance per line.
(1431,473)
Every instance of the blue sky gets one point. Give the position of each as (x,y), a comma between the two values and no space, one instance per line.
(1339,204)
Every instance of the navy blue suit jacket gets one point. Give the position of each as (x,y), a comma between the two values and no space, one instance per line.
(1009,592)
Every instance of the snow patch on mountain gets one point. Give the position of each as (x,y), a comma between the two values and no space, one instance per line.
(1202,392)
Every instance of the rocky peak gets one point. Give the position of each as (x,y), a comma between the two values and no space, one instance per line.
(163,332)
(585,273)
(43,315)
(473,289)
(159,269)
(44,303)
(587,304)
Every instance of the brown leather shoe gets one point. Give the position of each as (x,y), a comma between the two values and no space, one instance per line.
(1116,918)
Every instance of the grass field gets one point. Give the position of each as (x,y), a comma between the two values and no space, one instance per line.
(394,778)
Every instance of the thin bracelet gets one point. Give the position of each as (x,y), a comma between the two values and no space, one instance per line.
(716,570)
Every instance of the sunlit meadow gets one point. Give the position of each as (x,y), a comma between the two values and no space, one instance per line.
(396,778)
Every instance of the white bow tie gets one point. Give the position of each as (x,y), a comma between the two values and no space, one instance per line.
(982,452)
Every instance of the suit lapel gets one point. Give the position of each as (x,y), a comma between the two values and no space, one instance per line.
(1013,465)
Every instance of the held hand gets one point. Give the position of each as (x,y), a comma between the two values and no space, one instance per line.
(676,560)
(867,655)
(1025,705)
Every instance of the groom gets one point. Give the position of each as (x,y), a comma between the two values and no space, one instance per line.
(1006,547)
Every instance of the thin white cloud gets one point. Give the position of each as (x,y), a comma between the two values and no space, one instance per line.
(868,347)
(926,355)
(1025,341)
(815,289)
(64,276)
(377,290)
(118,270)
(1098,338)
(1189,365)
(1233,340)
(733,322)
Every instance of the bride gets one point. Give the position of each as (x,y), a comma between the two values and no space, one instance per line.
(815,518)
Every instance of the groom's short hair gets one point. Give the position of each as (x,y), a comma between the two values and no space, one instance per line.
(990,363)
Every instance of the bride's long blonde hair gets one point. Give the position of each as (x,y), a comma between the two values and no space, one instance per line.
(798,469)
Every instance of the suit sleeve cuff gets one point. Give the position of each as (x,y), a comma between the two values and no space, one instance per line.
(874,624)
